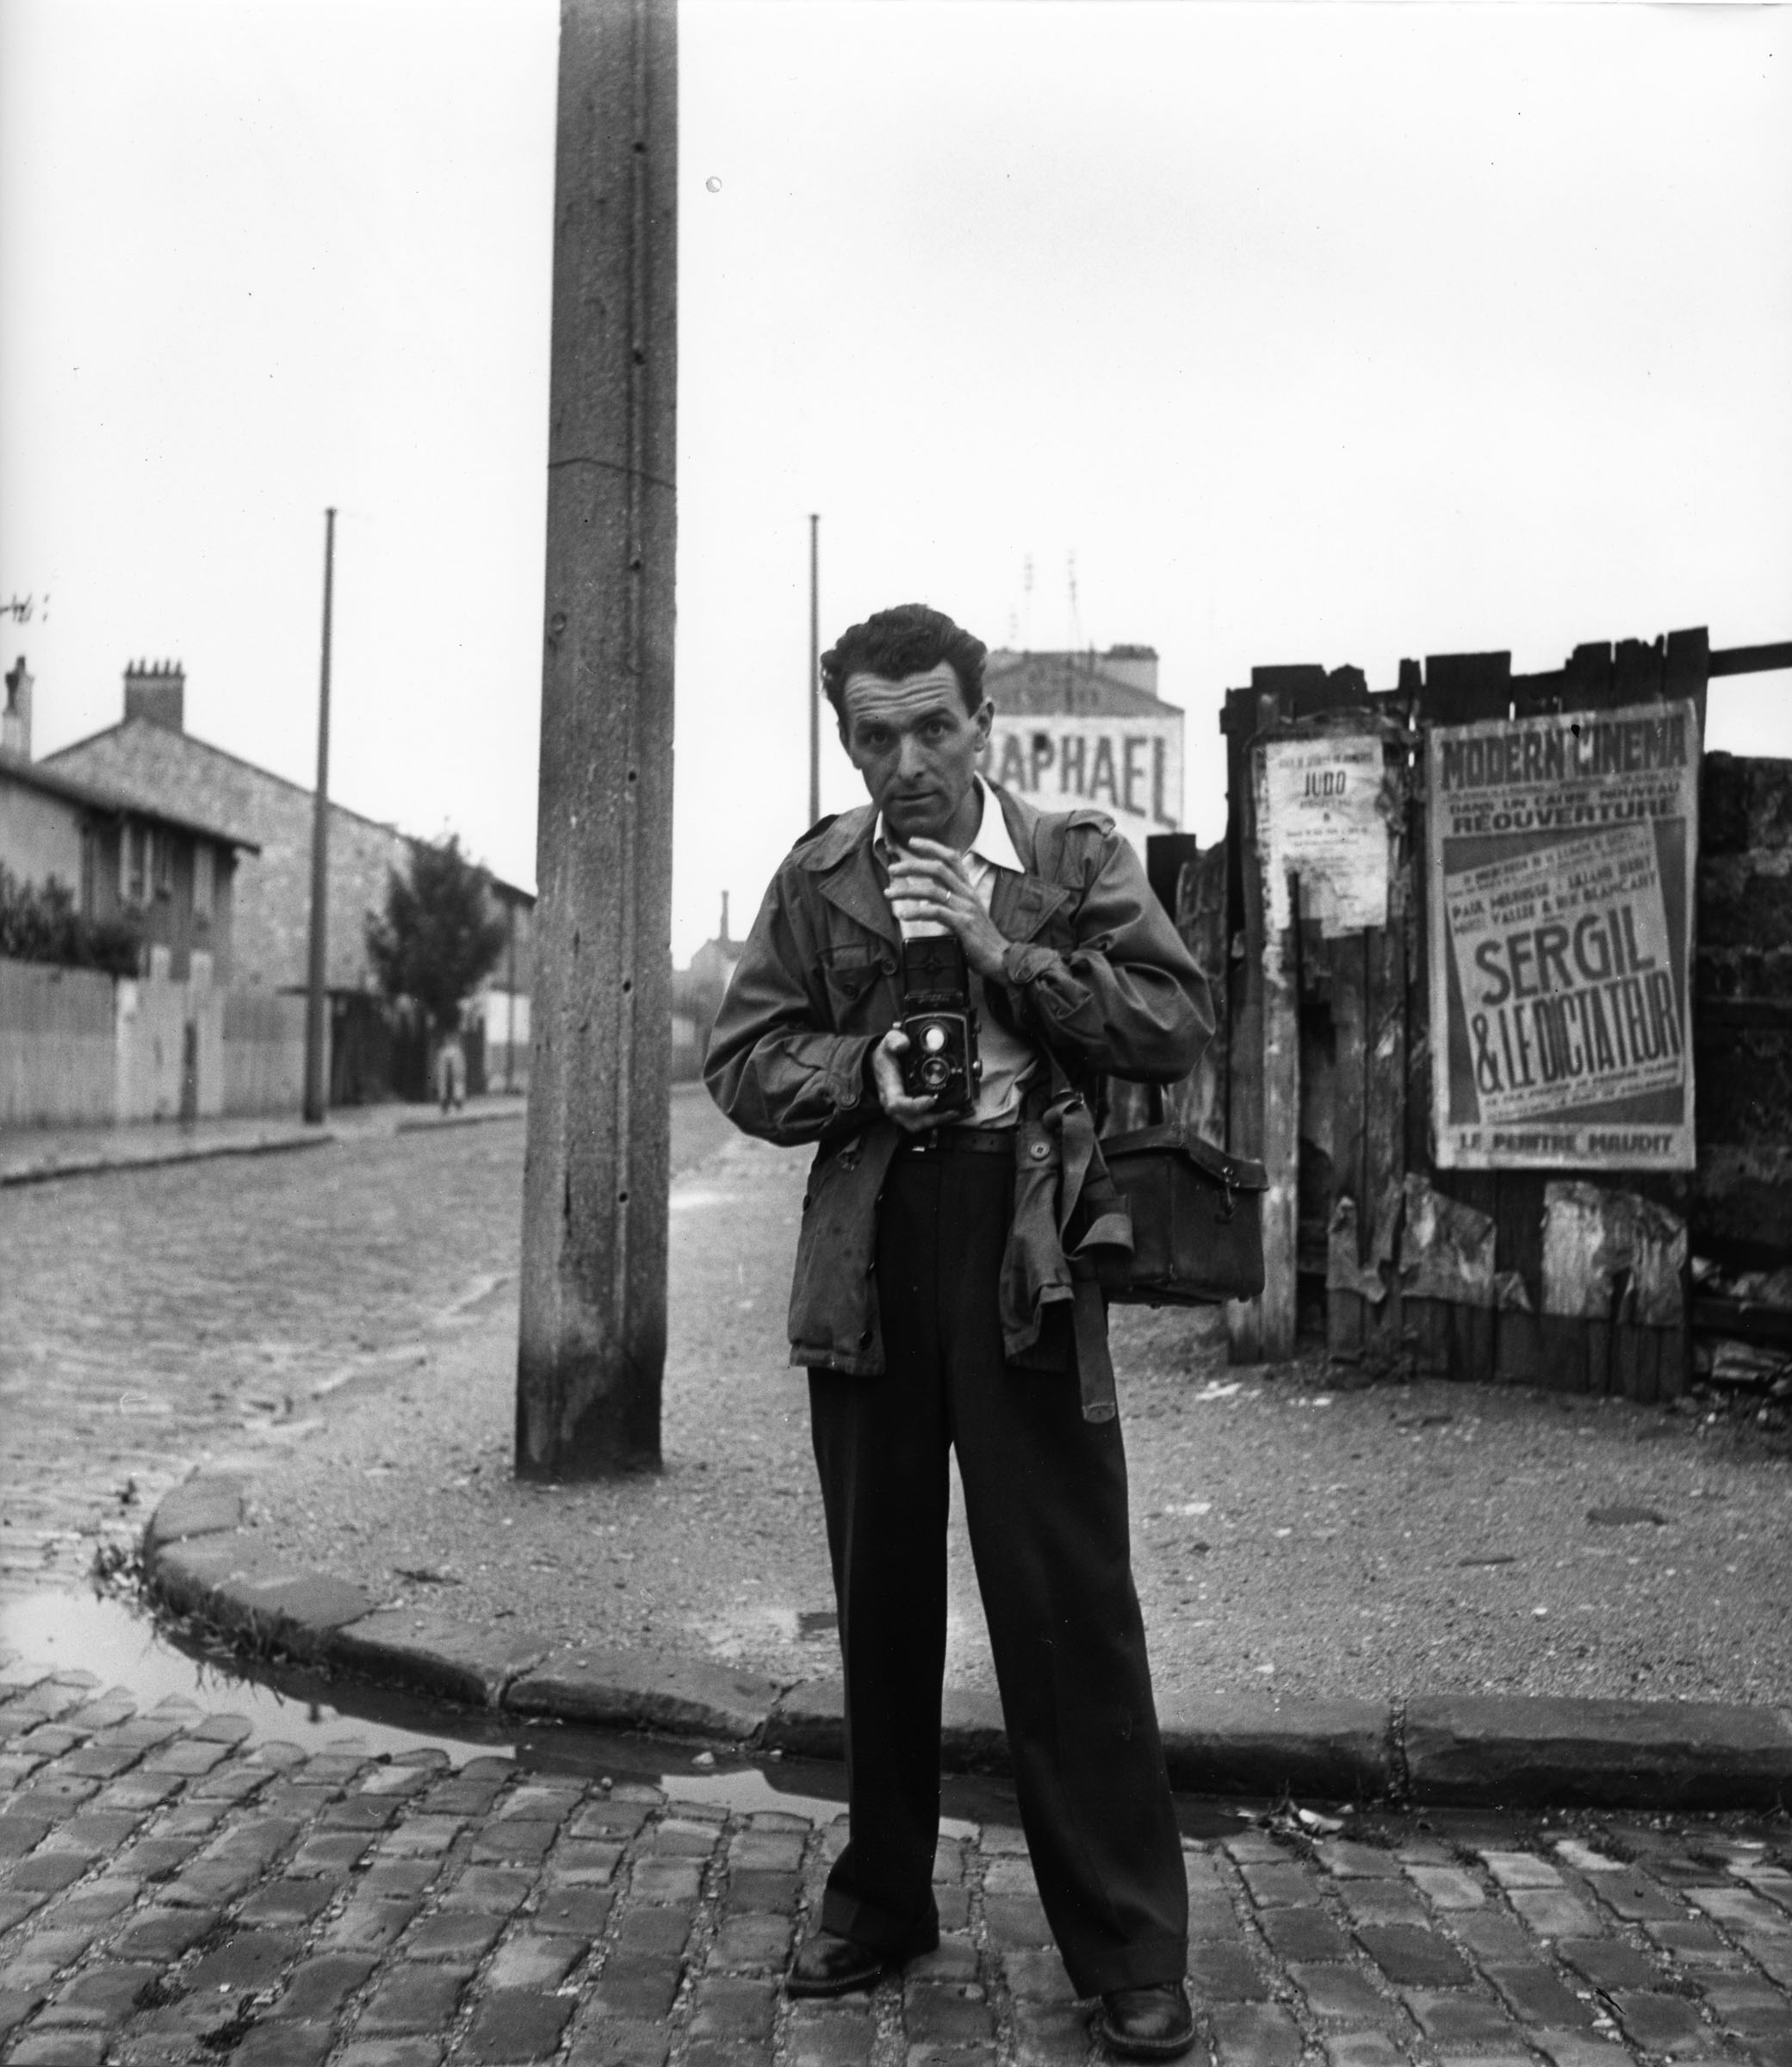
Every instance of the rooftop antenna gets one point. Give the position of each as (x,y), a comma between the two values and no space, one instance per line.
(1074,641)
(1027,604)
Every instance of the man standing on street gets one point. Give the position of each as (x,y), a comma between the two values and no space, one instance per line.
(936,1306)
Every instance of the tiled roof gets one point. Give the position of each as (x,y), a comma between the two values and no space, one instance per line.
(33,775)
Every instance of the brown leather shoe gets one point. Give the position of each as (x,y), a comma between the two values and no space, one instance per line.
(1146,2023)
(829,1965)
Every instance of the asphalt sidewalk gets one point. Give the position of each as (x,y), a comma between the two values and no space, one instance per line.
(1460,1583)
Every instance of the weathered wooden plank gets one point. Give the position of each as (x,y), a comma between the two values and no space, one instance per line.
(1344,1324)
(1517,1346)
(1281,1143)
(1673,1362)
(1427,1336)
(1245,989)
(1747,659)
(1447,1270)
(1416,960)
(1518,1251)
(1596,1337)
(1472,1343)
(1564,1353)
(1349,1000)
(1385,1004)
(1626,1366)
(1637,1355)
(1472,1334)
(1344,1312)
(1202,898)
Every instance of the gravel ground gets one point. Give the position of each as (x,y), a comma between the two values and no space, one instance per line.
(1288,1534)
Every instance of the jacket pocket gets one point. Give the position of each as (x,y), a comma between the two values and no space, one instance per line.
(849,975)
(832,1294)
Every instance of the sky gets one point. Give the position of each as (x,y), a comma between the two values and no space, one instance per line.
(1326,332)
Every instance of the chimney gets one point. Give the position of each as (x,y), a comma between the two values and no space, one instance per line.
(722,935)
(1136,665)
(16,720)
(157,693)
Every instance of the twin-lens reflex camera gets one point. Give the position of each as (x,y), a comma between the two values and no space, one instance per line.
(940,1061)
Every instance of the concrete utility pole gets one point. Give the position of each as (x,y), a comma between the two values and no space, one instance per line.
(592,1347)
(316,995)
(814,668)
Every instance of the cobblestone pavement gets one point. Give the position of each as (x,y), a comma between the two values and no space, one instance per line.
(152,1318)
(173,1888)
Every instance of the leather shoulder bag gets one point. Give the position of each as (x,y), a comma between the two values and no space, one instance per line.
(1197,1218)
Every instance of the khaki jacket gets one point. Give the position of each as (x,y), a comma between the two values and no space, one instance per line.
(1096,976)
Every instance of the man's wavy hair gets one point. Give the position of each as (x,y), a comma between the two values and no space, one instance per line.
(908,640)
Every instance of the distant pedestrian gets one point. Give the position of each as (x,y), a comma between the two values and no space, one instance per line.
(933,1305)
(451,1072)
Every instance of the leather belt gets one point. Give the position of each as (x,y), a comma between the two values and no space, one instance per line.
(961,1141)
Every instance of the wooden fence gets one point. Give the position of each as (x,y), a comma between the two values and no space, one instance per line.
(78,1048)
(1322,1070)
(58,1045)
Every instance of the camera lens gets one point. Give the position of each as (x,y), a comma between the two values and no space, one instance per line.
(934,1038)
(934,1072)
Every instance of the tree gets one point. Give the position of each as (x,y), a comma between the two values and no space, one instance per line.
(439,936)
(43,926)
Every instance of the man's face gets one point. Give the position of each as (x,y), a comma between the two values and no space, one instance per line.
(916,747)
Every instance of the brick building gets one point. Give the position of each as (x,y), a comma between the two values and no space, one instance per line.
(150,756)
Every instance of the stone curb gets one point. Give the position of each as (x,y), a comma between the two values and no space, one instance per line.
(418,1123)
(160,1155)
(1452,1749)
(158,1150)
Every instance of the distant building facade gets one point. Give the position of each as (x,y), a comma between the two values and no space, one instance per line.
(172,1040)
(149,755)
(1087,728)
(696,994)
(173,876)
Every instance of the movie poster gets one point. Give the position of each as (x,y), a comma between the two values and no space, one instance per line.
(1561,894)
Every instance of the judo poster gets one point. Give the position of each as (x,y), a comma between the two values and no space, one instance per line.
(1561,852)
(1322,806)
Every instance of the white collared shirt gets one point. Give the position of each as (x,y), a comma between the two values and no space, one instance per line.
(1009,1062)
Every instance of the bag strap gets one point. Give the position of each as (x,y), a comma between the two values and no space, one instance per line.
(1085,1187)
(1095,1361)
(1084,1181)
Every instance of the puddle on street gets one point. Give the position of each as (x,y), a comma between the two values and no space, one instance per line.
(123,1648)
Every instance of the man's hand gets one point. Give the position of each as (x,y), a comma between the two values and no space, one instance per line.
(913,1116)
(930,881)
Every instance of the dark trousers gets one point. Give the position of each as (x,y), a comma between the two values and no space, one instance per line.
(1045,1501)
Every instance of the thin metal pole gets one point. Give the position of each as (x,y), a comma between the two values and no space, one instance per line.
(509,980)
(814,668)
(316,1094)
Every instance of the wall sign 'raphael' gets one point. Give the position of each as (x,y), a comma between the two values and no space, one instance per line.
(1561,853)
